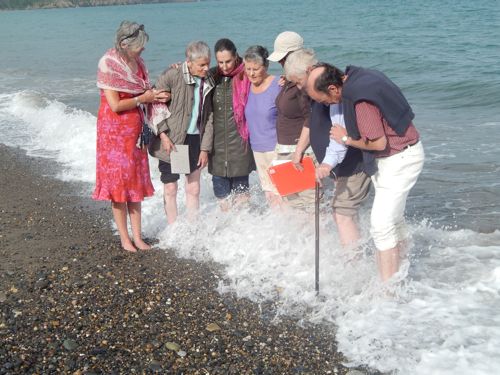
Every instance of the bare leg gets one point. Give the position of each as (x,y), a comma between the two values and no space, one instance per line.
(193,194)
(233,200)
(170,201)
(120,215)
(134,211)
(274,200)
(241,199)
(388,262)
(403,249)
(225,204)
(348,229)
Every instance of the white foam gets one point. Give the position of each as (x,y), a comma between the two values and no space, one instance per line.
(441,319)
(49,128)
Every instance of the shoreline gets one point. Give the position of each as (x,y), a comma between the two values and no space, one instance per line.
(73,302)
(59,4)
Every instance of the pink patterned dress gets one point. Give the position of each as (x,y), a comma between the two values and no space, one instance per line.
(122,169)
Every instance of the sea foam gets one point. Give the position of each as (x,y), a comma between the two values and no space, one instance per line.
(48,128)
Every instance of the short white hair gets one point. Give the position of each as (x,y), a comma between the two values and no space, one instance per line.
(197,50)
(299,62)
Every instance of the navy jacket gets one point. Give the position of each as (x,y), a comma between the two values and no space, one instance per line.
(374,87)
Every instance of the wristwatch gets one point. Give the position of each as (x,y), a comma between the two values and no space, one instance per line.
(344,139)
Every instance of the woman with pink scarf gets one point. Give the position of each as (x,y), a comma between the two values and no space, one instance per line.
(122,169)
(231,159)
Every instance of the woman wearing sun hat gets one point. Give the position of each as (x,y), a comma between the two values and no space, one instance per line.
(293,107)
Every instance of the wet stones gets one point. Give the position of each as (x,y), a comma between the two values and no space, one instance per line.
(70,345)
(213,327)
(173,346)
(86,307)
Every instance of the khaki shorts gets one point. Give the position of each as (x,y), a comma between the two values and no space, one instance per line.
(263,161)
(350,192)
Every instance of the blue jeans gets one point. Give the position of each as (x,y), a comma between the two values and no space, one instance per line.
(224,186)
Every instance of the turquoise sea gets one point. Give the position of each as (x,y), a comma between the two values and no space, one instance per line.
(445,57)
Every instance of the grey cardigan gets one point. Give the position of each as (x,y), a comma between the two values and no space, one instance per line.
(180,83)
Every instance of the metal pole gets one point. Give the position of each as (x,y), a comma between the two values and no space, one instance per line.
(316,220)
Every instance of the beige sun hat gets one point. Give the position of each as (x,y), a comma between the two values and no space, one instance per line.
(287,41)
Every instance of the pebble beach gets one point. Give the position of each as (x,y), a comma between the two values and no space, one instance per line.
(73,302)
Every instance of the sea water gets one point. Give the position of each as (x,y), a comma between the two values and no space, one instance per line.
(441,314)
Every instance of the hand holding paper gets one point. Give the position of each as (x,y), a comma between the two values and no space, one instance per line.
(166,143)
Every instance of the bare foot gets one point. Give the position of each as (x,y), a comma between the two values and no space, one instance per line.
(141,245)
(129,246)
(225,204)
(241,199)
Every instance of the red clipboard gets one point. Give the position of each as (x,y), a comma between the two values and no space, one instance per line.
(289,180)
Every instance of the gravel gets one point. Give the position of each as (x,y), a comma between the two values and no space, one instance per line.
(72,302)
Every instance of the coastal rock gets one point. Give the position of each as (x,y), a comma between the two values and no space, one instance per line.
(98,351)
(70,344)
(212,327)
(42,284)
(173,346)
(155,366)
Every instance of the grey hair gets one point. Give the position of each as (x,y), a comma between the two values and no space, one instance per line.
(123,35)
(297,63)
(257,54)
(197,50)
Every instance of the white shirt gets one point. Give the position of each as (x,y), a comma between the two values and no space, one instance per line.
(335,152)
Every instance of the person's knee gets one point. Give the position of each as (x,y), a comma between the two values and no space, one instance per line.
(170,190)
(221,187)
(341,219)
(134,207)
(118,205)
(384,235)
(193,189)
(344,212)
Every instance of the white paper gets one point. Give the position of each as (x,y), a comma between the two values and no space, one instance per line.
(179,160)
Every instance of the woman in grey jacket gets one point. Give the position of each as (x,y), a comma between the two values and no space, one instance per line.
(231,159)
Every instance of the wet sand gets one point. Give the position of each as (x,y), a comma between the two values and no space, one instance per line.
(73,302)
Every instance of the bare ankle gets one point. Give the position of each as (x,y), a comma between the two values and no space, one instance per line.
(141,245)
(129,246)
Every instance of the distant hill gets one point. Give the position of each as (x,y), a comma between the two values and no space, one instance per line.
(40,4)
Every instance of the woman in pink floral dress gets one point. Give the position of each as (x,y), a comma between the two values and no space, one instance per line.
(122,169)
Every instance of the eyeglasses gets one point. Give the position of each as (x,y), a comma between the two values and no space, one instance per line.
(134,34)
